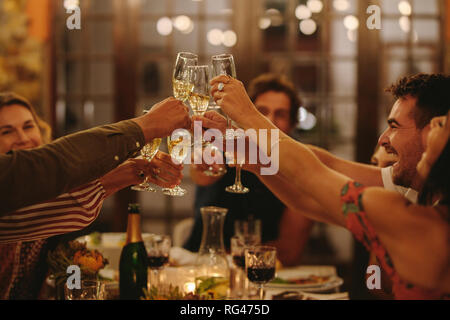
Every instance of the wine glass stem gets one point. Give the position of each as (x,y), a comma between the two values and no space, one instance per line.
(155,278)
(229,123)
(261,292)
(237,181)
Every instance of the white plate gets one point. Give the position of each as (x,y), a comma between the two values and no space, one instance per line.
(304,272)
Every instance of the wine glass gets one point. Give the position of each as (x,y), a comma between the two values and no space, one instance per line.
(260,265)
(223,64)
(199,101)
(179,146)
(89,290)
(248,228)
(238,245)
(148,152)
(158,249)
(180,80)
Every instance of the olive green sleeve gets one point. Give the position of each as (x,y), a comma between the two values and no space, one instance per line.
(31,176)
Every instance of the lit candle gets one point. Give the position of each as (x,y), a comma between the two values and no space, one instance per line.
(189,287)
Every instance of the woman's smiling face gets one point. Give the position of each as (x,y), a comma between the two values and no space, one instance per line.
(18,129)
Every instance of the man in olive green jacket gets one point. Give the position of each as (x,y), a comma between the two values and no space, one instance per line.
(31,176)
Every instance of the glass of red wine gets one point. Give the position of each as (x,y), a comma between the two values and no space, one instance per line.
(260,264)
(238,245)
(158,248)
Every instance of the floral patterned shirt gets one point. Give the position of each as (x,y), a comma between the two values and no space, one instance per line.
(363,231)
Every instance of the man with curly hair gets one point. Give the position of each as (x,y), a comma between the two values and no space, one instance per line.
(419,98)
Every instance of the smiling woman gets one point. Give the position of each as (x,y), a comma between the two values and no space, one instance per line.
(20,126)
(25,233)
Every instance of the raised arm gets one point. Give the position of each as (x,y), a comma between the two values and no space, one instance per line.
(367,174)
(397,224)
(35,175)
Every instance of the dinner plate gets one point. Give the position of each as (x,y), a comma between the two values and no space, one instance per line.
(304,272)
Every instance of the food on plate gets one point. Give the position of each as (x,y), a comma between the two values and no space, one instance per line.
(311,279)
(170,293)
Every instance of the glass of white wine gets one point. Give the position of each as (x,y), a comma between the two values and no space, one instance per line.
(223,64)
(199,101)
(179,145)
(181,86)
(147,153)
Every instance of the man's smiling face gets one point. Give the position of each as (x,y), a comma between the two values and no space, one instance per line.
(403,139)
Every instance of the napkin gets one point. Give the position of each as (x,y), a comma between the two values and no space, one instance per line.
(300,295)
(181,257)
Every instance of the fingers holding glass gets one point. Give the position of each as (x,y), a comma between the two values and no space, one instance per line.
(179,145)
(147,152)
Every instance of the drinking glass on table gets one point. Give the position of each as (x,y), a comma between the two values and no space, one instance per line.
(158,248)
(89,290)
(260,265)
(238,244)
(223,64)
(248,228)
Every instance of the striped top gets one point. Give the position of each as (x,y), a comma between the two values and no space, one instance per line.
(69,212)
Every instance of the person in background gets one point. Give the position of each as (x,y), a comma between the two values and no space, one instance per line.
(24,234)
(276,98)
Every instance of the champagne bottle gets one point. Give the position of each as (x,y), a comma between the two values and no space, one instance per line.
(133,259)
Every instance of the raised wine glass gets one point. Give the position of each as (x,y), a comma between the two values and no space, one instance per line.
(180,80)
(199,101)
(179,145)
(223,64)
(260,264)
(148,152)
(158,249)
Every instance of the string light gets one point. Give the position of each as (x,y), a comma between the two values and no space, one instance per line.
(315,5)
(302,12)
(405,8)
(229,38)
(341,5)
(164,26)
(351,22)
(308,26)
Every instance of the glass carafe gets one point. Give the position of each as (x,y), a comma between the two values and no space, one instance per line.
(213,272)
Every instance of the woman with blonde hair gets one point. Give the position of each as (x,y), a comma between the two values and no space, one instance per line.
(24,233)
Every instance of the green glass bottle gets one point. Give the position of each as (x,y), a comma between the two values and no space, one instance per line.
(133,259)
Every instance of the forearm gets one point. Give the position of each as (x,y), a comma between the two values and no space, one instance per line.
(302,173)
(32,176)
(69,212)
(366,174)
(297,201)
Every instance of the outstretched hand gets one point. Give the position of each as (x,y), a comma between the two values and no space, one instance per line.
(233,99)
(163,118)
